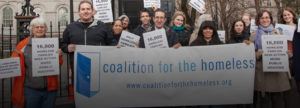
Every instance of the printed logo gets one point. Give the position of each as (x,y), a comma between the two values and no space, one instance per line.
(87,75)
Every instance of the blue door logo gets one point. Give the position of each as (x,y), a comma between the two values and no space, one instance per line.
(87,77)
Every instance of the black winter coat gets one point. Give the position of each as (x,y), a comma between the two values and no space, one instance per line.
(96,33)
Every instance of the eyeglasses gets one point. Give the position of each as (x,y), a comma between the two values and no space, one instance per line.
(37,27)
(157,17)
(264,18)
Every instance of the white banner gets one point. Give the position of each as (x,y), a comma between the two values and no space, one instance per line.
(150,3)
(104,10)
(134,77)
(286,30)
(156,39)
(275,58)
(10,67)
(45,57)
(221,34)
(199,5)
(128,39)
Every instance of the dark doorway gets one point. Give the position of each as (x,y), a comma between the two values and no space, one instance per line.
(131,8)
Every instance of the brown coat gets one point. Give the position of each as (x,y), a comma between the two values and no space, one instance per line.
(269,81)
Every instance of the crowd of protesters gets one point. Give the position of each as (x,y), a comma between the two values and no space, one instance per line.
(270,88)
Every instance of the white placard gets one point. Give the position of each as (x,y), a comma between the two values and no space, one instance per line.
(199,5)
(286,30)
(128,39)
(221,34)
(45,57)
(275,57)
(10,67)
(253,26)
(104,10)
(134,77)
(150,3)
(156,39)
(298,26)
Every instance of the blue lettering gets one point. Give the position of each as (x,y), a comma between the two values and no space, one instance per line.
(105,70)
(238,64)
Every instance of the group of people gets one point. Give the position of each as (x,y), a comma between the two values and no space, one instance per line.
(40,92)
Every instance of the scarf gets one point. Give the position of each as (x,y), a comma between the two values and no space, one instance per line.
(261,31)
(175,28)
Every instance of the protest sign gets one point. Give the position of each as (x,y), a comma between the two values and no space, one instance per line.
(156,39)
(104,10)
(134,77)
(199,5)
(275,57)
(10,67)
(45,57)
(221,34)
(253,26)
(128,39)
(150,3)
(286,30)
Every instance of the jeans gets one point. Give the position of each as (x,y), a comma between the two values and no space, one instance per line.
(39,98)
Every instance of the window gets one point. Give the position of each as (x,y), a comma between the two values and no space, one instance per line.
(7,16)
(63,16)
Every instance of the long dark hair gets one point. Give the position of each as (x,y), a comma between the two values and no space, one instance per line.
(232,31)
(212,25)
(291,11)
(234,36)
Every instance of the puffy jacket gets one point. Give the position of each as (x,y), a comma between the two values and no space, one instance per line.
(96,33)
(139,31)
(18,83)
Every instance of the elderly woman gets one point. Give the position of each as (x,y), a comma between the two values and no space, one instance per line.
(29,91)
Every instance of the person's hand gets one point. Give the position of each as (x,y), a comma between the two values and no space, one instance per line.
(176,46)
(290,53)
(71,47)
(247,42)
(59,51)
(259,53)
(118,46)
(136,45)
(154,7)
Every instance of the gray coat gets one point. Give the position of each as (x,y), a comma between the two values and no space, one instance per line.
(269,81)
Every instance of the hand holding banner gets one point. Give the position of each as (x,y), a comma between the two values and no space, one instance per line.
(156,39)
(128,39)
(134,77)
